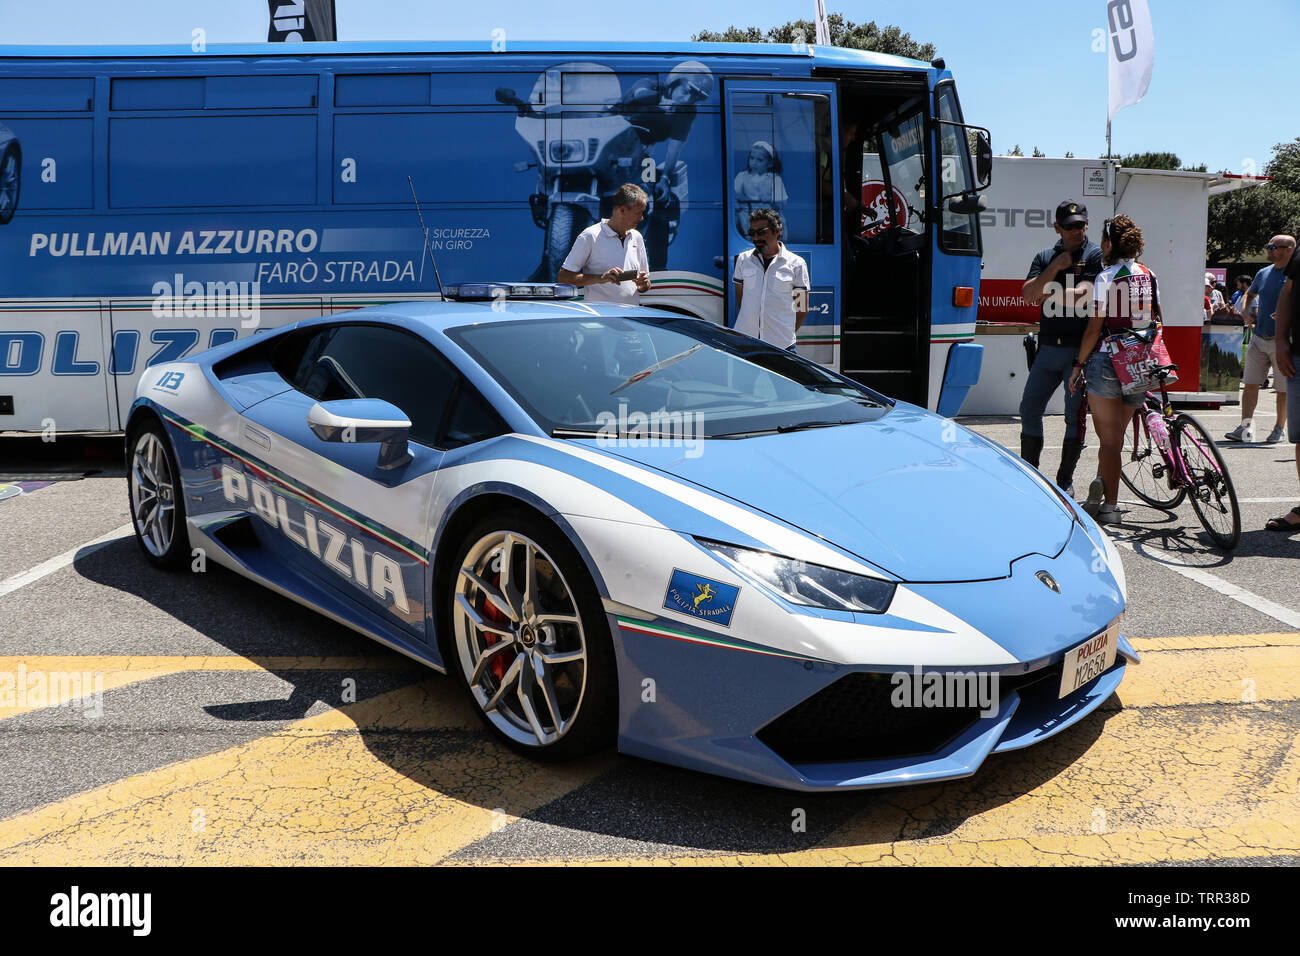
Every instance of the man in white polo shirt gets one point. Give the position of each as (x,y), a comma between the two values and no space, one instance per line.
(609,248)
(771,284)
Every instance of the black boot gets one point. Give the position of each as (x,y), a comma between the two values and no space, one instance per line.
(1071,448)
(1031,448)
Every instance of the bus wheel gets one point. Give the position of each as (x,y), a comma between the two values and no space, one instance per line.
(10,173)
(562,228)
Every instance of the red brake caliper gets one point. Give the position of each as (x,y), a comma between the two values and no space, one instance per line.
(494,616)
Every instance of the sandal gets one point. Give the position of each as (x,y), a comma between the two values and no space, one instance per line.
(1281,524)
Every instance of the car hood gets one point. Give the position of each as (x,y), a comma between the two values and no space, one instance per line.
(912,493)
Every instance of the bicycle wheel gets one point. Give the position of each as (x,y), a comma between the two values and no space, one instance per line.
(1213,496)
(1144,470)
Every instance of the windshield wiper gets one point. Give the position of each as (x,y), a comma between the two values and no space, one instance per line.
(635,434)
(784,429)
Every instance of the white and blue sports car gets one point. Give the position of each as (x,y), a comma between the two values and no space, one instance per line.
(620,526)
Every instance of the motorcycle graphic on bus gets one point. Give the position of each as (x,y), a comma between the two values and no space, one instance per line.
(588,137)
(11,164)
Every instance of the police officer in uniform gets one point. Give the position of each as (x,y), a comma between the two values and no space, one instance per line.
(1059,282)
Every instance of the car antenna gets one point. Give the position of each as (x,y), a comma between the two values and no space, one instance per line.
(427,247)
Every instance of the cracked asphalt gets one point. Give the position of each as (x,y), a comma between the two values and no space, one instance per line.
(236,727)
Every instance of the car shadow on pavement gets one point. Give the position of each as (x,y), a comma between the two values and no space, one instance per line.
(419,724)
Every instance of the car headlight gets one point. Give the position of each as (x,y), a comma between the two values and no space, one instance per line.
(812,585)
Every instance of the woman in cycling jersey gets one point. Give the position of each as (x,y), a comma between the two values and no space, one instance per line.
(1124,297)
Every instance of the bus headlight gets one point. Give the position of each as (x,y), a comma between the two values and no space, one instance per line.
(568,151)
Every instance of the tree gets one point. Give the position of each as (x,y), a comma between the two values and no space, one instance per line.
(1243,220)
(1158,161)
(844,33)
(1284,167)
(1069,155)
(1016,151)
(1038,153)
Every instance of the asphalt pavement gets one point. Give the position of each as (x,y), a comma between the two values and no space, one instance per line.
(228,725)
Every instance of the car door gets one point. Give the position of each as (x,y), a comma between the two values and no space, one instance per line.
(360,529)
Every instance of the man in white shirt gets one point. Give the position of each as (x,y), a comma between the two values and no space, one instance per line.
(610,248)
(771,284)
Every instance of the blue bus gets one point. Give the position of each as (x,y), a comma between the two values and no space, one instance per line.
(157,201)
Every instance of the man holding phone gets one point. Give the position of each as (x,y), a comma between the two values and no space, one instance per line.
(608,259)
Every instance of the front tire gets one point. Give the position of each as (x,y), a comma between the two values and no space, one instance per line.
(1213,496)
(562,229)
(156,499)
(530,640)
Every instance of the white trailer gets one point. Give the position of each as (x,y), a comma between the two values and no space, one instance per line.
(1170,207)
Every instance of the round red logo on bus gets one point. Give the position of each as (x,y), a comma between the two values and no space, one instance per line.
(875,208)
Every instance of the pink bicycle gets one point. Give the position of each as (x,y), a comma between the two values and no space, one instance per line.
(1171,457)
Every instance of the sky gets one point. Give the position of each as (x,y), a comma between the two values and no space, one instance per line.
(1026,70)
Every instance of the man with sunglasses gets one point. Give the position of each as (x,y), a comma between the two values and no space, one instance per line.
(1261,355)
(1059,282)
(771,284)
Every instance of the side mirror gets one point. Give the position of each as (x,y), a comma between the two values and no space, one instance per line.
(364,420)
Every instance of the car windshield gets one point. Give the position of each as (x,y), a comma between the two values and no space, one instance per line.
(642,373)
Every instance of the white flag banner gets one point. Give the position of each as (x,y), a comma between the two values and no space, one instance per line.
(823,29)
(1132,52)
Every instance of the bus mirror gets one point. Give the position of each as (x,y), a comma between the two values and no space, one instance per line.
(983,158)
(506,97)
(967,204)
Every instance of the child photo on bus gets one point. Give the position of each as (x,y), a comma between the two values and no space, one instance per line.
(759,184)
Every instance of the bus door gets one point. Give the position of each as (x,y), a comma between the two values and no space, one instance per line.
(780,144)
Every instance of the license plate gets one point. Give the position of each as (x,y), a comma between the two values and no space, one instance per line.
(1090,659)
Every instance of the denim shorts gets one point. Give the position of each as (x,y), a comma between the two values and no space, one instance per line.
(1104,383)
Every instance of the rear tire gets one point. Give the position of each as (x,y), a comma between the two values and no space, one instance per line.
(1213,497)
(529,638)
(155,496)
(1139,461)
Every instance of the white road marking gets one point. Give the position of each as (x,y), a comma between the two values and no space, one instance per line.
(1240,501)
(11,584)
(1250,599)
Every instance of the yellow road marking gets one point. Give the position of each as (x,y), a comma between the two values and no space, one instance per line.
(340,788)
(1280,836)
(1229,676)
(1148,783)
(30,683)
(1143,784)
(1209,641)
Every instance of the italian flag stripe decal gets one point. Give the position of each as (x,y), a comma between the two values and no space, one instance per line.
(656,630)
